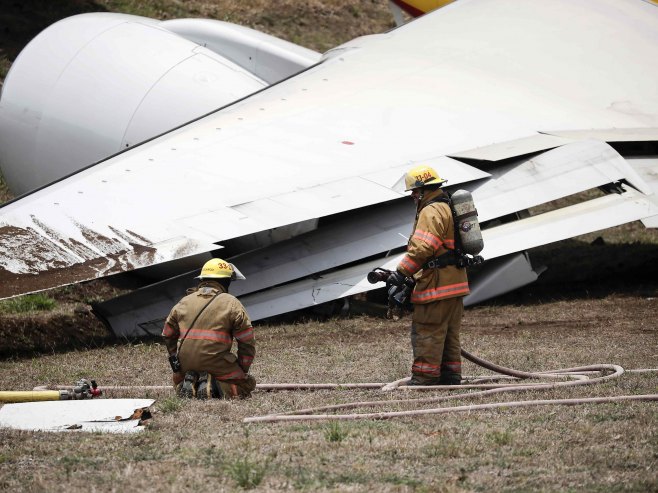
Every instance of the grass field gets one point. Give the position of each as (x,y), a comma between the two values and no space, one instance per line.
(203,446)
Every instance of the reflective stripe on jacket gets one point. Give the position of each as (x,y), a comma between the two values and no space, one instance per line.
(433,235)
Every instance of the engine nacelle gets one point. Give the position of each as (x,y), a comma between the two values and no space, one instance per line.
(92,85)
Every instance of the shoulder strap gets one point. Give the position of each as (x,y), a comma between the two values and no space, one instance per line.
(455,223)
(442,199)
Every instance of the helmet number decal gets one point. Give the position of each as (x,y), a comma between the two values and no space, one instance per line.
(425,176)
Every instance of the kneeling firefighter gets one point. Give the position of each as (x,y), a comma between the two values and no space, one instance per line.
(199,333)
(436,261)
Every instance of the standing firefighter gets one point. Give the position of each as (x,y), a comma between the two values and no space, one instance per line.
(199,334)
(440,284)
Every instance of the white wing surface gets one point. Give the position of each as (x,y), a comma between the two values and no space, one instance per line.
(512,99)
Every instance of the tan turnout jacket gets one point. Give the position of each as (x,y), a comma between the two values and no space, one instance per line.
(433,235)
(207,346)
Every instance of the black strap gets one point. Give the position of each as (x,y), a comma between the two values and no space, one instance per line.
(448,258)
(441,199)
(466,215)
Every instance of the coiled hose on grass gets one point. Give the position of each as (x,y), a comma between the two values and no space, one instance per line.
(567,377)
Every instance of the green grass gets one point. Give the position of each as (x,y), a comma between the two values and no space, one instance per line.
(335,432)
(247,473)
(27,303)
(403,480)
(171,404)
(195,445)
(500,438)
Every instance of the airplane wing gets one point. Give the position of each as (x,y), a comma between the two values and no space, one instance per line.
(522,102)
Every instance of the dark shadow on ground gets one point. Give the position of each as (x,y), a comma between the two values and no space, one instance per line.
(580,270)
(20,21)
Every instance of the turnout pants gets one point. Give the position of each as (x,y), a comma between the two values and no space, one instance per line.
(435,341)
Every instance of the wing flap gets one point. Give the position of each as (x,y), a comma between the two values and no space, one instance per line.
(609,134)
(557,173)
(55,230)
(519,147)
(359,235)
(593,215)
(585,217)
(647,168)
(296,274)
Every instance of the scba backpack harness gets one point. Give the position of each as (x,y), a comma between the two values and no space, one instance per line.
(468,236)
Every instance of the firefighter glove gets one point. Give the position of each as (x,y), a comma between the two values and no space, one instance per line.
(396,279)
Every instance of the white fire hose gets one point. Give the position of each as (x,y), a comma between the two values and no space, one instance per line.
(567,377)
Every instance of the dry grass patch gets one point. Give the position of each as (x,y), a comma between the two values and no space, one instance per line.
(204,446)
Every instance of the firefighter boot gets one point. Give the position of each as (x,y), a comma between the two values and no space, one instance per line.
(450,379)
(188,387)
(203,386)
(207,387)
(415,381)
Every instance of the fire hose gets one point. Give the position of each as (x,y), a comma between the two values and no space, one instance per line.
(83,389)
(568,377)
(579,375)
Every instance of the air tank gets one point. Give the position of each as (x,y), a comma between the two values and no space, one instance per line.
(467,222)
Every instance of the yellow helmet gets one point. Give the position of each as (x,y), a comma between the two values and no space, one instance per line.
(217,268)
(420,176)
